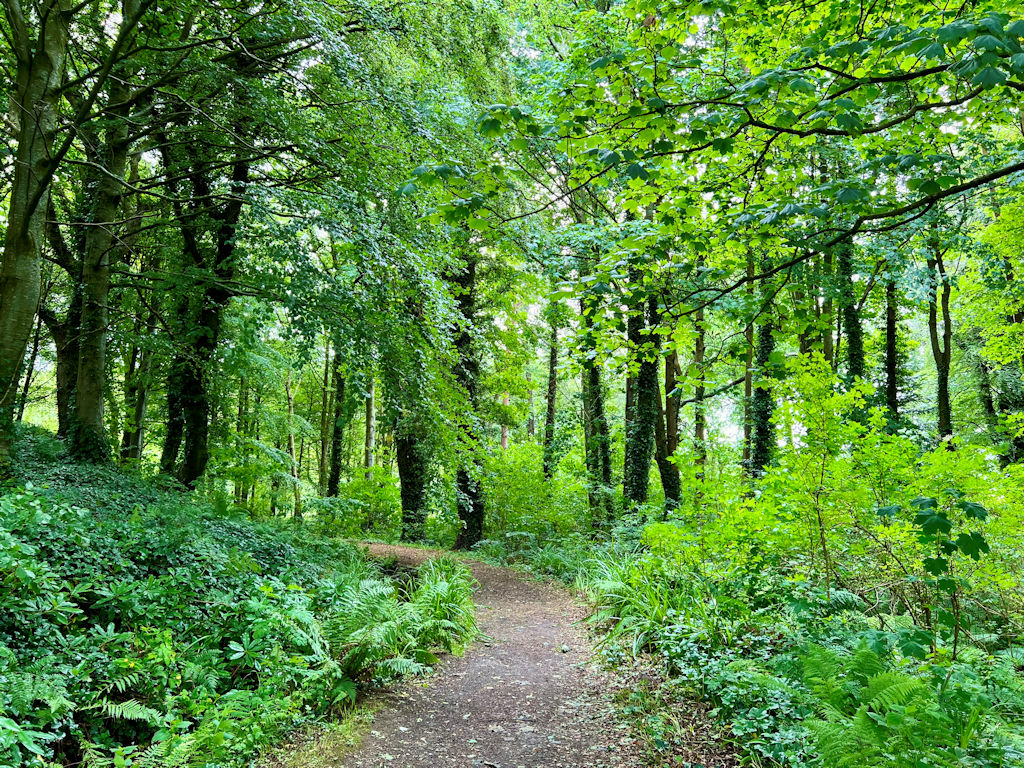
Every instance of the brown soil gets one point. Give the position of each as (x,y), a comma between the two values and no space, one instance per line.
(525,697)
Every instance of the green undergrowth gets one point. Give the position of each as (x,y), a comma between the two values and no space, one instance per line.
(140,627)
(793,674)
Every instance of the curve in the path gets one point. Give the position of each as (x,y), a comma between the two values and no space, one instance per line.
(524,698)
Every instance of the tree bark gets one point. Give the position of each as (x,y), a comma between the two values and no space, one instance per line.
(370,439)
(325,422)
(666,425)
(30,367)
(762,404)
(748,370)
(551,404)
(699,407)
(338,428)
(413,465)
(294,466)
(597,442)
(38,76)
(850,313)
(65,341)
(469,494)
(136,396)
(941,341)
(827,317)
(892,398)
(88,438)
(639,447)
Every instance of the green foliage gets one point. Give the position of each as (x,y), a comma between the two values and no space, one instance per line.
(140,628)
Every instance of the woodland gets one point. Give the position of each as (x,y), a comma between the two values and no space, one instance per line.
(712,311)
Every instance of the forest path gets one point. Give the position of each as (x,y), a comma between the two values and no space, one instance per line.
(526,697)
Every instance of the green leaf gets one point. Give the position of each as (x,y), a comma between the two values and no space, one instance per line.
(490,126)
(800,85)
(988,43)
(989,77)
(936,565)
(933,522)
(971,509)
(972,544)
(850,195)
(637,171)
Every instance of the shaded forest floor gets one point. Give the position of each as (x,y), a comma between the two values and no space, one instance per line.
(526,696)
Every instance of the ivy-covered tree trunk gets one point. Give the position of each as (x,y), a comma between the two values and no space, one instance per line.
(136,397)
(413,466)
(340,418)
(1011,403)
(551,404)
(762,440)
(199,320)
(470,500)
(850,312)
(597,442)
(175,423)
(828,320)
(941,341)
(293,461)
(748,370)
(64,333)
(700,421)
(639,448)
(892,398)
(326,408)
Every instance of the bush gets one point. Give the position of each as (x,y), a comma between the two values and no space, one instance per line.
(139,628)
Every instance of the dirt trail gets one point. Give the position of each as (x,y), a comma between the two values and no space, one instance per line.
(525,698)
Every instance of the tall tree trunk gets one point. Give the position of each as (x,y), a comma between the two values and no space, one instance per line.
(762,404)
(828,319)
(551,404)
(597,442)
(413,466)
(640,437)
(748,370)
(337,429)
(38,77)
(201,317)
(136,395)
(293,462)
(241,420)
(850,313)
(30,367)
(176,382)
(699,407)
(470,500)
(88,438)
(665,441)
(65,340)
(892,398)
(325,422)
(941,342)
(195,401)
(370,441)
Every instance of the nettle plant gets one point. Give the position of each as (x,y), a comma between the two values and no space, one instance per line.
(947,528)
